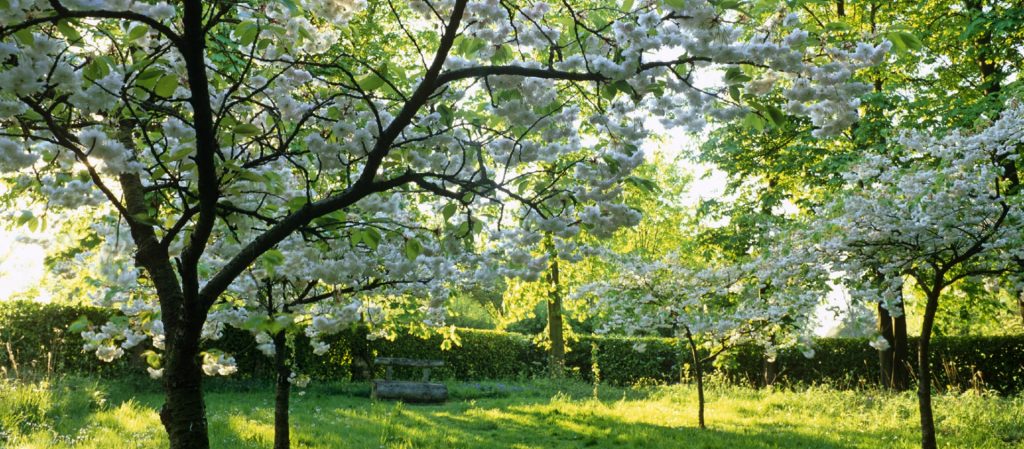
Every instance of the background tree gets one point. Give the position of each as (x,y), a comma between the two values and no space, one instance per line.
(714,309)
(942,217)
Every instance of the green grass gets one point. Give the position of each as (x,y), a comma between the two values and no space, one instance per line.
(86,413)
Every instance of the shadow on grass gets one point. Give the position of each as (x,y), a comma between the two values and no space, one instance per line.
(491,415)
(517,420)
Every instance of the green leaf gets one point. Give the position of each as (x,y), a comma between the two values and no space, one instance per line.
(838,26)
(734,93)
(65,28)
(727,4)
(25,36)
(293,7)
(296,203)
(904,41)
(152,358)
(753,121)
(413,248)
(166,86)
(371,238)
(736,76)
(627,5)
(777,117)
(246,32)
(644,184)
(25,217)
(137,31)
(273,257)
(80,325)
(179,154)
(96,69)
(448,210)
(245,129)
(469,46)
(502,55)
(370,82)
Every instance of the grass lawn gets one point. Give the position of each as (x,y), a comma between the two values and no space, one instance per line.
(87,413)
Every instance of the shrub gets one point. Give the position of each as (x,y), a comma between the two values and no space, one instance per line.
(35,335)
(33,339)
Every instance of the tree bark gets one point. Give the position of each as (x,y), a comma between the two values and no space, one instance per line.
(698,373)
(555,331)
(282,394)
(924,375)
(900,365)
(885,356)
(771,371)
(1020,305)
(184,412)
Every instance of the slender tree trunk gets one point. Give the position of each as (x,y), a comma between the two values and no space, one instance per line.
(698,373)
(282,435)
(1020,305)
(885,356)
(900,365)
(771,367)
(771,371)
(555,330)
(924,375)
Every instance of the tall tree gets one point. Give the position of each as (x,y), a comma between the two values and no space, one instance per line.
(174,113)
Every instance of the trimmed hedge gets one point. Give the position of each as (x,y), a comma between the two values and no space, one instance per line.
(34,334)
(33,339)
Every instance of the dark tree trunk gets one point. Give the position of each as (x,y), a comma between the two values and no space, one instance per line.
(282,435)
(900,365)
(771,371)
(771,367)
(1020,305)
(698,373)
(924,375)
(885,356)
(184,412)
(555,331)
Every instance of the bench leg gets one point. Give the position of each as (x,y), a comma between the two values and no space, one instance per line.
(426,374)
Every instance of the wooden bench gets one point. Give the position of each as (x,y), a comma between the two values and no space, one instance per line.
(408,391)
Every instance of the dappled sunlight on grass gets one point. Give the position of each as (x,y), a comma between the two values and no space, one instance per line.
(540,415)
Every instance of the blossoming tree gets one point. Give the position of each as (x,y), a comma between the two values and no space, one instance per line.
(174,114)
(714,309)
(941,216)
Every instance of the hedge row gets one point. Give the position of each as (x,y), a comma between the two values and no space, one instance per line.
(32,335)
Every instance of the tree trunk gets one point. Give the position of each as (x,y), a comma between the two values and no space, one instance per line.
(771,371)
(698,373)
(924,375)
(282,435)
(555,321)
(1020,305)
(885,356)
(900,365)
(184,412)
